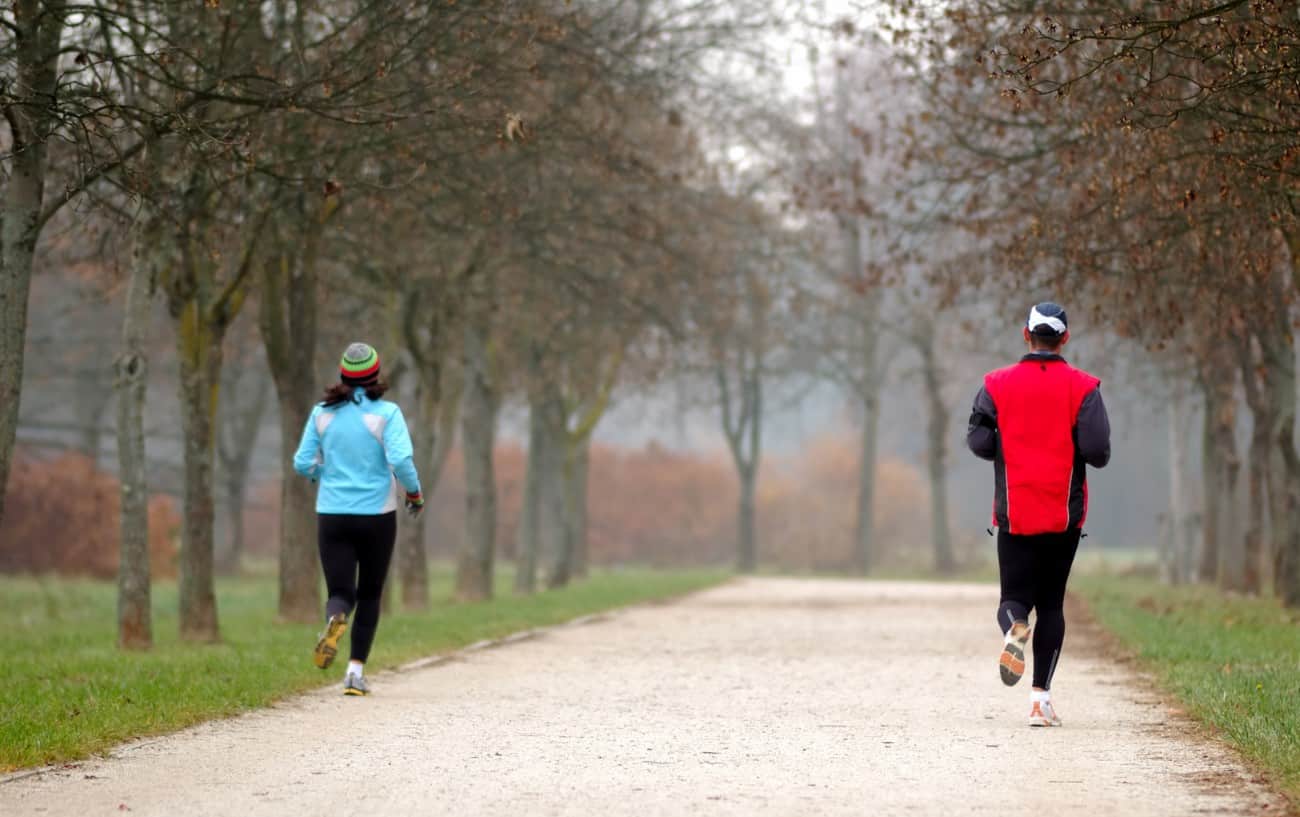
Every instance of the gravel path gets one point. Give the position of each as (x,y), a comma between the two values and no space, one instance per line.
(763,697)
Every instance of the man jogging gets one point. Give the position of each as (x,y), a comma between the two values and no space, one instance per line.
(1040,422)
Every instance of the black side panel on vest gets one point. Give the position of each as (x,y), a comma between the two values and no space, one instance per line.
(1000,492)
(1078,500)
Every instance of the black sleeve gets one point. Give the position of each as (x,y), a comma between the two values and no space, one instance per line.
(982,431)
(1092,430)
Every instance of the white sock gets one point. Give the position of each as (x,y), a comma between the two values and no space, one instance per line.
(356,668)
(1039,695)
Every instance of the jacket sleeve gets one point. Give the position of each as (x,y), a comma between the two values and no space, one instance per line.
(307,460)
(982,430)
(1092,430)
(398,450)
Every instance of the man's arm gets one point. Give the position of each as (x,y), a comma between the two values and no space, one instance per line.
(982,432)
(1092,430)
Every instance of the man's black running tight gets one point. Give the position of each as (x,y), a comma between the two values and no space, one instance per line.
(1034,570)
(354,553)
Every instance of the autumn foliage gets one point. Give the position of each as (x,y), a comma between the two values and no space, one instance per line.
(61,516)
(655,506)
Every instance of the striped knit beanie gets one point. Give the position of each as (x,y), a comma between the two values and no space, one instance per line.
(360,365)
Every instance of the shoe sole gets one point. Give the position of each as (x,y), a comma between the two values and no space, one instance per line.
(355,692)
(327,648)
(1011,663)
(1044,724)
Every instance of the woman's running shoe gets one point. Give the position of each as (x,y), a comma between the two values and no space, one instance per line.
(327,646)
(355,685)
(1012,661)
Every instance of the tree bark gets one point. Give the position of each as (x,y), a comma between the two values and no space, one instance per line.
(412,558)
(199,351)
(1280,356)
(743,427)
(1174,563)
(134,607)
(1221,555)
(747,539)
(937,456)
(1211,477)
(863,544)
(1255,381)
(553,538)
(527,545)
(1231,549)
(287,318)
(579,470)
(474,565)
(39,25)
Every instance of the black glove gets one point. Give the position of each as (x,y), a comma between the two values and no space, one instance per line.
(414,504)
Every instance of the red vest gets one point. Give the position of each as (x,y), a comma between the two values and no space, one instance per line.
(1040,477)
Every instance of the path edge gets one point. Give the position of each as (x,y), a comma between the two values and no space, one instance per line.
(427,662)
(1107,645)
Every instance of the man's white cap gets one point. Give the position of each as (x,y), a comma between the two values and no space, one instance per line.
(1047,319)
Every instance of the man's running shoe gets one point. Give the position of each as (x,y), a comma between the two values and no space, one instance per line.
(1012,661)
(1041,713)
(327,646)
(355,685)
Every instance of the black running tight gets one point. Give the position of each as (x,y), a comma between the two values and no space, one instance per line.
(354,553)
(1034,570)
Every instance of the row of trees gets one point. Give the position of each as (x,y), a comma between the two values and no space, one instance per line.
(1139,157)
(504,197)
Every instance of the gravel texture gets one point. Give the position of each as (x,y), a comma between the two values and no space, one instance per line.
(762,697)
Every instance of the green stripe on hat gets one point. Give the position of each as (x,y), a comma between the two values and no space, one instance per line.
(359,359)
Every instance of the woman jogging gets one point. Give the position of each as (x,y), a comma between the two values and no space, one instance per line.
(357,446)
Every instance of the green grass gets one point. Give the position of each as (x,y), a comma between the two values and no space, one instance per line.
(1233,662)
(70,693)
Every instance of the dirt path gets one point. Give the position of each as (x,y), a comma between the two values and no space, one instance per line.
(764,697)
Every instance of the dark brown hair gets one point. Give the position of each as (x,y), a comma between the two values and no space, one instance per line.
(1046,343)
(340,393)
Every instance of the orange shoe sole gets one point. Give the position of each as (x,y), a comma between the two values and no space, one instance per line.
(327,648)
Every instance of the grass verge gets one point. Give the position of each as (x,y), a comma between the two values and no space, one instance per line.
(1233,662)
(70,693)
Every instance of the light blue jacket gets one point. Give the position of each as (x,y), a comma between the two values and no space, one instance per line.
(359,451)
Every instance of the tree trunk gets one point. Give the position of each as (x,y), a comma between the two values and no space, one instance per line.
(868,387)
(743,429)
(553,538)
(287,319)
(236,445)
(1231,550)
(937,456)
(412,558)
(527,546)
(1256,383)
(863,545)
(1280,363)
(38,25)
(1211,472)
(1221,553)
(576,507)
(746,537)
(199,351)
(1173,564)
(134,613)
(474,565)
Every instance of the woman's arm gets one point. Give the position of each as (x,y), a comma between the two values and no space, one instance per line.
(398,450)
(307,459)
